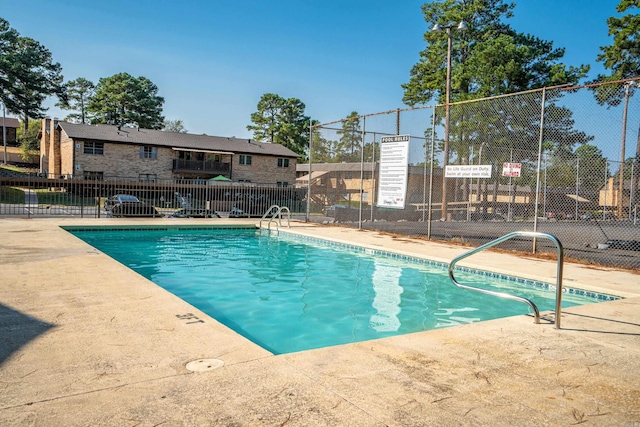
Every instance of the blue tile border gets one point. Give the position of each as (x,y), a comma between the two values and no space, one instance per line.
(95,228)
(422,261)
(361,249)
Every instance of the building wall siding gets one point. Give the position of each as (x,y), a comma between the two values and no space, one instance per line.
(263,169)
(11,135)
(66,153)
(44,147)
(123,161)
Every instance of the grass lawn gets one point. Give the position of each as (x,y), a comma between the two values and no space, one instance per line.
(11,195)
(60,198)
(10,168)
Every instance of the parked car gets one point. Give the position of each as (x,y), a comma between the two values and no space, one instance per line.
(118,199)
(194,213)
(122,205)
(331,210)
(555,216)
(629,245)
(134,209)
(487,216)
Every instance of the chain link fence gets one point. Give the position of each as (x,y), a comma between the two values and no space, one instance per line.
(556,160)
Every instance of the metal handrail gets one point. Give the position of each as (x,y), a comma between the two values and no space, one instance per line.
(268,212)
(279,215)
(533,234)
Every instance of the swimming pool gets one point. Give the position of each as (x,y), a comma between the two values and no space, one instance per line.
(289,293)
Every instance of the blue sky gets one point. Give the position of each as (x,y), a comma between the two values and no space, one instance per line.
(213,60)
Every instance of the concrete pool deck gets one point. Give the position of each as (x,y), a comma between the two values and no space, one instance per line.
(84,341)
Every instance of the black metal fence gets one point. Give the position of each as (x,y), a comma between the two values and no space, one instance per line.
(34,196)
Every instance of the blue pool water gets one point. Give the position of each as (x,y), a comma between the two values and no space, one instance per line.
(288,294)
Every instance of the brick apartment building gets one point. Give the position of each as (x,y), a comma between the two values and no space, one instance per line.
(11,152)
(107,152)
(10,129)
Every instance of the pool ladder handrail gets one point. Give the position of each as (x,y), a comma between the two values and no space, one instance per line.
(533,234)
(278,213)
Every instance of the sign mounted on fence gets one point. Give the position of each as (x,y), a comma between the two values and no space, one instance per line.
(511,169)
(394,170)
(467,171)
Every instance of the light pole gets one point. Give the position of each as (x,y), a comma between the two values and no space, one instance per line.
(627,86)
(462,26)
(4,131)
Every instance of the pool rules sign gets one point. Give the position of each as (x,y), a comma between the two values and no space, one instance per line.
(394,169)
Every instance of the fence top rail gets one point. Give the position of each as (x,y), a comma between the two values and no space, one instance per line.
(597,84)
(468,101)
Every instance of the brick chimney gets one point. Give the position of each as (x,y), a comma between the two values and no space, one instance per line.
(44,145)
(55,149)
(50,156)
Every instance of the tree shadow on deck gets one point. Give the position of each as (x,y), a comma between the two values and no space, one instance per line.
(18,329)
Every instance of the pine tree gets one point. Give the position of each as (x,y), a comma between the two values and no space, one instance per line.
(79,93)
(122,98)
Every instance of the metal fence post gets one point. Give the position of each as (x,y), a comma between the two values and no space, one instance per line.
(309,176)
(373,175)
(631,189)
(433,139)
(606,175)
(623,148)
(577,185)
(540,139)
(364,125)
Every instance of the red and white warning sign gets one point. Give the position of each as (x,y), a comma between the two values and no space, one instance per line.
(511,169)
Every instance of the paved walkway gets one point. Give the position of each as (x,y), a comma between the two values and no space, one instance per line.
(30,198)
(88,342)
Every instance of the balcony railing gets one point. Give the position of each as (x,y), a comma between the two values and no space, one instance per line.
(200,166)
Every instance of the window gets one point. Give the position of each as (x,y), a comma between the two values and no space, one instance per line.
(282,184)
(93,176)
(147,177)
(283,163)
(245,160)
(91,147)
(147,152)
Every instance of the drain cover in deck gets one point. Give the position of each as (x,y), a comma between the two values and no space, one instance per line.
(203,365)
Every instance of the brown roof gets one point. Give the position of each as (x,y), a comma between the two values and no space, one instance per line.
(10,122)
(175,140)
